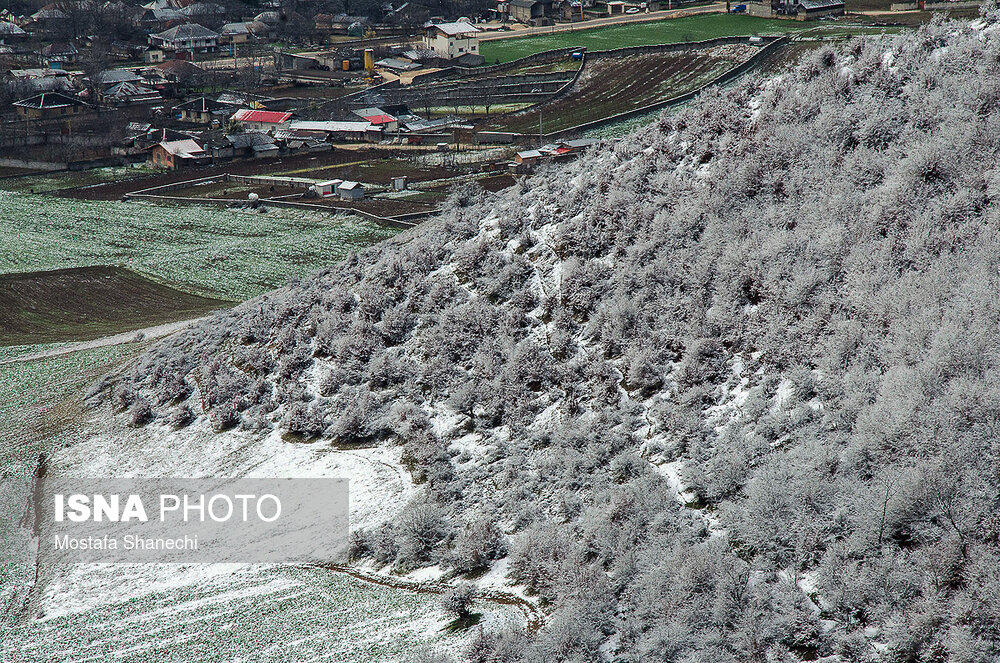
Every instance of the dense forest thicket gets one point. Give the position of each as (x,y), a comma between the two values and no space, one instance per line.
(786,295)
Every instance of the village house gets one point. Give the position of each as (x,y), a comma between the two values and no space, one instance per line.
(452,40)
(253,145)
(379,118)
(261,120)
(190,37)
(201,110)
(179,71)
(334,131)
(10,32)
(127,92)
(234,33)
(802,10)
(529,11)
(59,54)
(177,154)
(48,106)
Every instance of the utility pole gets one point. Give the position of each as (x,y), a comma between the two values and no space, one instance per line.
(541,136)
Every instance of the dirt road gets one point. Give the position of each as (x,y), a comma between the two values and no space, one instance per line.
(602,22)
(115,339)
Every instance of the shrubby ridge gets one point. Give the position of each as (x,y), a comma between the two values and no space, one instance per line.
(727,390)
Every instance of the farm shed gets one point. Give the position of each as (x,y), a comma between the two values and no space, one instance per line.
(524,11)
(178,71)
(252,144)
(351,191)
(234,33)
(397,65)
(328,188)
(527,157)
(811,9)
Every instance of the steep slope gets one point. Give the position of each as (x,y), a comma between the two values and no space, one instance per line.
(725,390)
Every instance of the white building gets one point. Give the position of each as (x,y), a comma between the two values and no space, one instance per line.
(452,40)
(189,37)
(328,188)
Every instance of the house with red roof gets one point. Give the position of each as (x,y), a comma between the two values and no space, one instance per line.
(379,118)
(261,120)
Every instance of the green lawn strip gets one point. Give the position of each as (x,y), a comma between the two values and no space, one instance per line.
(668,31)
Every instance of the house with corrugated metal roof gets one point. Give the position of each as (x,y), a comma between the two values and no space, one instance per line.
(190,37)
(49,105)
(262,120)
(177,154)
(379,118)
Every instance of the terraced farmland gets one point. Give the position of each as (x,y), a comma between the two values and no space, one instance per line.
(612,85)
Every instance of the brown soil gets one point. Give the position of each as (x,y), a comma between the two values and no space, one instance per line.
(85,303)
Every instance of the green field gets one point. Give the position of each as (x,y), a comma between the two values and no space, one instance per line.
(689,28)
(230,254)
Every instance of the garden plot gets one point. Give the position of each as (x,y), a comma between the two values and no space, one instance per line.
(612,85)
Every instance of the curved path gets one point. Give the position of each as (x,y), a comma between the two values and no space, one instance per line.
(115,339)
(534,617)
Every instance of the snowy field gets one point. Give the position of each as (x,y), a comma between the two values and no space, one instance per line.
(227,612)
(227,253)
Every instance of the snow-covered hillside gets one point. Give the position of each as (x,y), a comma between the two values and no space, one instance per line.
(725,390)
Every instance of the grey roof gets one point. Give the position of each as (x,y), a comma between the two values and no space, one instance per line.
(820,4)
(398,65)
(249,140)
(582,142)
(164,15)
(203,9)
(234,29)
(454,29)
(60,48)
(187,31)
(48,100)
(420,54)
(130,91)
(49,14)
(202,105)
(420,124)
(10,29)
(111,76)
